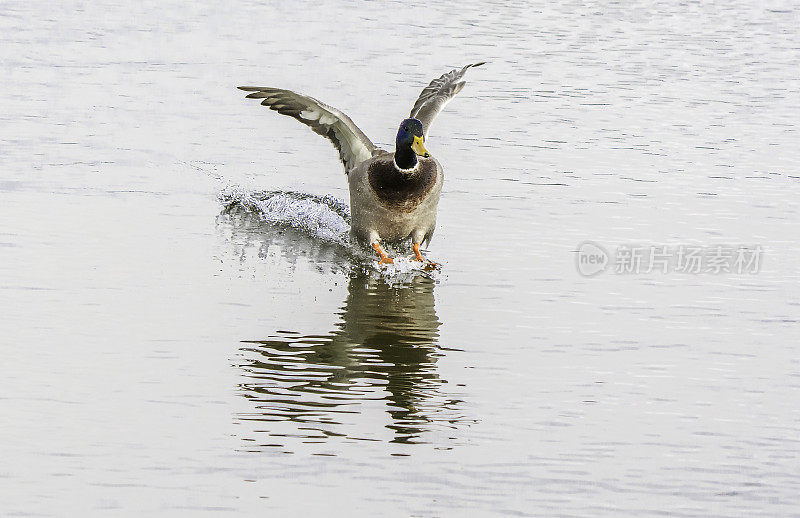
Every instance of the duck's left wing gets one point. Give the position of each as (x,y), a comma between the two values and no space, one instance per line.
(354,147)
(437,94)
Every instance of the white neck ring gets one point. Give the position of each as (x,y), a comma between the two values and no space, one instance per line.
(407,171)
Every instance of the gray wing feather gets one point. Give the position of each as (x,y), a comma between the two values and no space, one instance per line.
(354,147)
(437,94)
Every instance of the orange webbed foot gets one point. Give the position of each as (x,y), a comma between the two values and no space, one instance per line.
(432,266)
(417,254)
(428,265)
(385,259)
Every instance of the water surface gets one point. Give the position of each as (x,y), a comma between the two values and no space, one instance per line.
(162,354)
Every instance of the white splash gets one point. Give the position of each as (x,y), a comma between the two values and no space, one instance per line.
(404,269)
(322,217)
(327,219)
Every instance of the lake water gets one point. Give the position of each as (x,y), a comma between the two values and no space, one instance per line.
(164,355)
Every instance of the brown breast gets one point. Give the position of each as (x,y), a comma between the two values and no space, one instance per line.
(402,191)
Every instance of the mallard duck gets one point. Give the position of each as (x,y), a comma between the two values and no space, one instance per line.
(393,196)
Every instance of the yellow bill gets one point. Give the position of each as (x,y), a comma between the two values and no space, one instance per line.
(419,148)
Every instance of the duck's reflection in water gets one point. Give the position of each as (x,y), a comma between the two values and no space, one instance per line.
(381,356)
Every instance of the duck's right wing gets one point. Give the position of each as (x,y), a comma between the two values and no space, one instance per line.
(437,94)
(354,147)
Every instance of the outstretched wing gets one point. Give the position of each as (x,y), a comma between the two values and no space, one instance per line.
(437,94)
(354,147)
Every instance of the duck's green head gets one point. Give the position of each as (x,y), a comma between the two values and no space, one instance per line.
(410,136)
